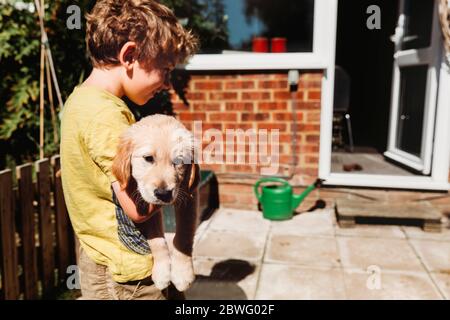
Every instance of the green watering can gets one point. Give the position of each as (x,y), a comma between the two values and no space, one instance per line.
(278,200)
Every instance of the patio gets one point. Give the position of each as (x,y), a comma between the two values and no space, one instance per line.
(240,255)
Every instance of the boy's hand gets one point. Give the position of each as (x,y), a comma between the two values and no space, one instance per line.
(138,214)
(152,209)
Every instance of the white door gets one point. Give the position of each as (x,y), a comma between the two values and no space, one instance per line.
(414,84)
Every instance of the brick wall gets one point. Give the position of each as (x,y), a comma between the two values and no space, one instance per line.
(259,101)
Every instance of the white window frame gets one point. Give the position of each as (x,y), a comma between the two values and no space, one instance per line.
(317,59)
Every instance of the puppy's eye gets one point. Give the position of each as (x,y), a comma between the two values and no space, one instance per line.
(149,159)
(177,161)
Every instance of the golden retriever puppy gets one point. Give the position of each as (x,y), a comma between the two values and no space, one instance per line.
(155,164)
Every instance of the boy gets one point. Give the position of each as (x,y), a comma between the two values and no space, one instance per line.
(133,45)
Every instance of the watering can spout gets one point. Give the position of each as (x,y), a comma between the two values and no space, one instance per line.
(298,198)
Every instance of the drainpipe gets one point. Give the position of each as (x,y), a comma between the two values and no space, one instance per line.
(293,77)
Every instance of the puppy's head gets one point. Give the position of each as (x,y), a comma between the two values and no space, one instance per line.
(157,152)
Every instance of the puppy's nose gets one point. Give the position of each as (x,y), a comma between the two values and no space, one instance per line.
(163,194)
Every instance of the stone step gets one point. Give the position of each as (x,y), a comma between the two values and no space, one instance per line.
(349,211)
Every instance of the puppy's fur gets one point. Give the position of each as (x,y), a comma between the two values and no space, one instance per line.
(155,164)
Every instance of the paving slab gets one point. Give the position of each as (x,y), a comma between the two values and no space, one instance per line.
(371,231)
(390,254)
(389,285)
(442,280)
(239,220)
(434,254)
(279,281)
(309,223)
(231,244)
(418,233)
(309,251)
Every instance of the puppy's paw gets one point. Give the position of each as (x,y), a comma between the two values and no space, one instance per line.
(161,274)
(182,272)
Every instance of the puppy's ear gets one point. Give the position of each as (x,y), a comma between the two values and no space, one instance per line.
(194,177)
(121,167)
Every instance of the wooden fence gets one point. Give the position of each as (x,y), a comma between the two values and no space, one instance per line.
(36,238)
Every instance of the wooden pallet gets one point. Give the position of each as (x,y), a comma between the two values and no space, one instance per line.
(350,211)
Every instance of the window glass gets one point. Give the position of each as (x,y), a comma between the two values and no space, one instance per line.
(259,25)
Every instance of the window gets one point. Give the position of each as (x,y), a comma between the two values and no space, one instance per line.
(267,34)
(260,25)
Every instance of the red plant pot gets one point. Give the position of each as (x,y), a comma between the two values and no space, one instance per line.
(278,45)
(260,44)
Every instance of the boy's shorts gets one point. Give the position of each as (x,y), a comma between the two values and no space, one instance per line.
(97,284)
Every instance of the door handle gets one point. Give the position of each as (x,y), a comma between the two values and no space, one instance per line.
(397,37)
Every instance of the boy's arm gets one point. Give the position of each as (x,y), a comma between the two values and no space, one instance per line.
(129,206)
(101,139)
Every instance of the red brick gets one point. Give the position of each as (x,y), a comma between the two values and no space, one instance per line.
(285,137)
(314,95)
(307,171)
(223,95)
(222,116)
(254,116)
(214,167)
(307,148)
(239,168)
(288,159)
(308,105)
(312,138)
(312,116)
(196,96)
(208,85)
(227,198)
(287,116)
(206,106)
(310,84)
(282,116)
(279,76)
(311,159)
(286,95)
(192,116)
(308,127)
(240,106)
(232,85)
(180,106)
(272,105)
(272,126)
(247,199)
(234,188)
(210,125)
(257,76)
(243,126)
(273,84)
(260,95)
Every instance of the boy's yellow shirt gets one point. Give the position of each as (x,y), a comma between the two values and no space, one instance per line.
(92,121)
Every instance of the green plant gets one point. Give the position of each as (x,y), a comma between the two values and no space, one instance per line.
(20,61)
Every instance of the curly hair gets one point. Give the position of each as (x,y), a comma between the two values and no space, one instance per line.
(160,38)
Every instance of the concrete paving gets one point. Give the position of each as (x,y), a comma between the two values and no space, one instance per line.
(240,255)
